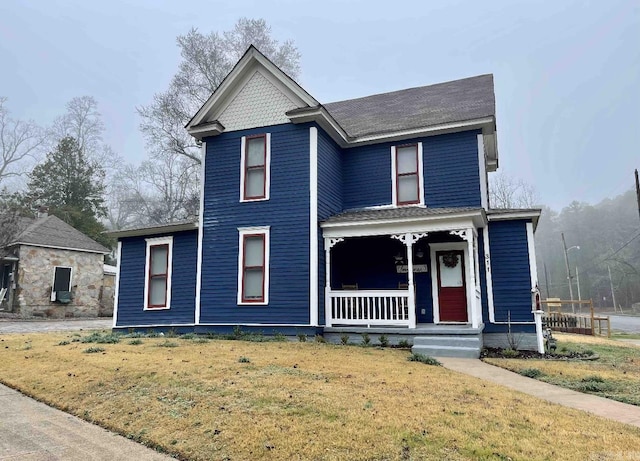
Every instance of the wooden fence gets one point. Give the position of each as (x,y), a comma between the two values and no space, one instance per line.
(561,315)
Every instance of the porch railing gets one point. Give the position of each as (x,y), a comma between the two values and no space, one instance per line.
(368,307)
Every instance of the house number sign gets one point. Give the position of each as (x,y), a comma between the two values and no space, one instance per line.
(404,268)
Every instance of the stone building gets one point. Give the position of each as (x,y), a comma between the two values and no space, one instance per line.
(53,270)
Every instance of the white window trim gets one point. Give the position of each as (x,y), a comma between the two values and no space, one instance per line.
(242,232)
(152,242)
(53,280)
(267,169)
(482,172)
(394,176)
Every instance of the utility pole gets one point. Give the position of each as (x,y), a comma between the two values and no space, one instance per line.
(546,278)
(578,282)
(638,191)
(566,263)
(613,295)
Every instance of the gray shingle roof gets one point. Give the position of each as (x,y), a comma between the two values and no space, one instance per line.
(456,101)
(51,231)
(395,213)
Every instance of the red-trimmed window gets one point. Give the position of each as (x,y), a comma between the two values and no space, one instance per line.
(407,175)
(158,278)
(253,268)
(255,168)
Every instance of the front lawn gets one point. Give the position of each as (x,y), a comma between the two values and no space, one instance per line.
(237,400)
(614,373)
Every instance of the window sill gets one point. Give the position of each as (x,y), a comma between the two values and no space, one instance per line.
(261,303)
(244,200)
(157,308)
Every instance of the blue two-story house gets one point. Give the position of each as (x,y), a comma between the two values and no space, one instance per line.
(367,215)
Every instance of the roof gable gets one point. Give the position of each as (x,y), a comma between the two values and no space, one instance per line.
(254,82)
(53,232)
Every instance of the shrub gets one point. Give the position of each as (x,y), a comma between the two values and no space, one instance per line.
(101,338)
(320,339)
(244,360)
(63,343)
(531,372)
(423,359)
(510,353)
(344,339)
(135,342)
(93,350)
(383,340)
(279,337)
(366,339)
(302,337)
(404,344)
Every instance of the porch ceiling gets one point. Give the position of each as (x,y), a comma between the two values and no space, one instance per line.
(383,221)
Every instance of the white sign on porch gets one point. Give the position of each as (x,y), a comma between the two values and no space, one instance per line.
(404,268)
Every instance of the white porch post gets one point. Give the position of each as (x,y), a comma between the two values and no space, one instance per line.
(409,239)
(328,244)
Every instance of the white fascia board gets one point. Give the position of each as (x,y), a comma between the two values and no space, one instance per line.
(371,228)
(533,215)
(324,119)
(60,248)
(147,231)
(234,81)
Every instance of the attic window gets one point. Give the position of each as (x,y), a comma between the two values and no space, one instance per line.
(406,163)
(255,160)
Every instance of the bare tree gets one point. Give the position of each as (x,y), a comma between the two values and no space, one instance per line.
(509,192)
(206,60)
(82,122)
(20,142)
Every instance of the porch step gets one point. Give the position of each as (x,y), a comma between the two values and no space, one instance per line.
(467,346)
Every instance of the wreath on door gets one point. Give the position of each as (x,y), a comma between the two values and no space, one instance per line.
(450,260)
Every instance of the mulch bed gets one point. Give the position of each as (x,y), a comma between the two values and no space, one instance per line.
(496,353)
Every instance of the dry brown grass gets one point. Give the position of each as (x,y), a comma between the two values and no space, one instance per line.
(299,401)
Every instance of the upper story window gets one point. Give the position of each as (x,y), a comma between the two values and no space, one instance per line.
(157,285)
(255,166)
(406,169)
(253,266)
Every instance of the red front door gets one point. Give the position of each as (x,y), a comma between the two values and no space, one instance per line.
(452,297)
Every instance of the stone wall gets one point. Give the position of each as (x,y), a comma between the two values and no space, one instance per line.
(107,295)
(35,279)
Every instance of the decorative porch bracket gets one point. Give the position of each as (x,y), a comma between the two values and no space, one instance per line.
(409,239)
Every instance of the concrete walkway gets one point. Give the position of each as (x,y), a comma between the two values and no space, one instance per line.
(32,431)
(617,411)
(37,326)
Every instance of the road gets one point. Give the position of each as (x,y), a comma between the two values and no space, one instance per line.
(627,324)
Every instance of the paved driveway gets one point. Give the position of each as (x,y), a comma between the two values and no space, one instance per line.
(35,326)
(625,323)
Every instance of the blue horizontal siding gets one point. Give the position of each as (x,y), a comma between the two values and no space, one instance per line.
(451,173)
(287,214)
(183,283)
(329,201)
(450,167)
(510,271)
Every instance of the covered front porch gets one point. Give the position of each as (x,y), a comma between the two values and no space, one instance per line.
(406,268)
